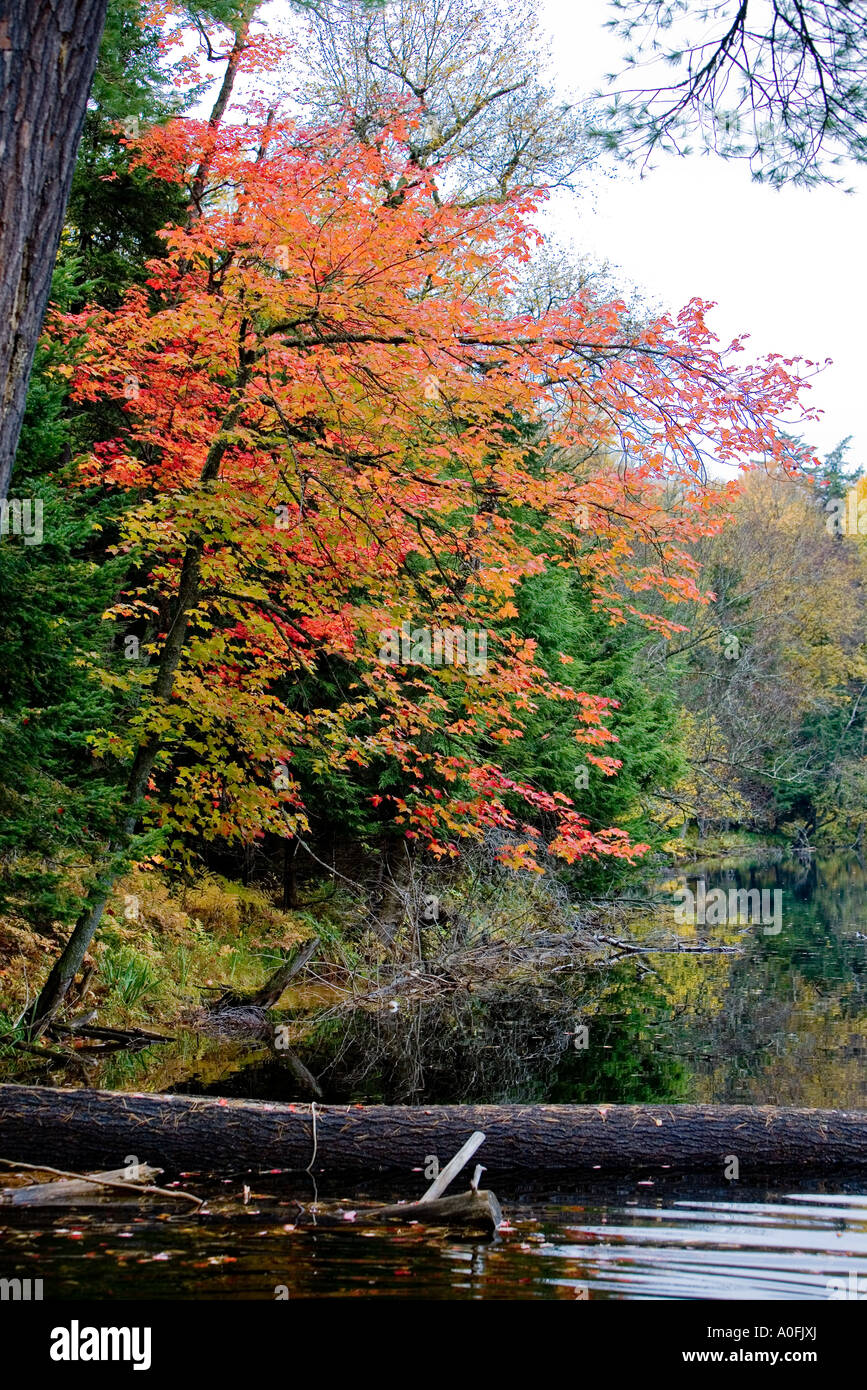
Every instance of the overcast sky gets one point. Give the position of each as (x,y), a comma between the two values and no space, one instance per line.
(785,266)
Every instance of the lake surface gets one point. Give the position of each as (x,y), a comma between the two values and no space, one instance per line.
(782,1022)
(680,1240)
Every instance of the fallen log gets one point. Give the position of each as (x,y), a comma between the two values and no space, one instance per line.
(269,995)
(474,1210)
(93,1129)
(83,1029)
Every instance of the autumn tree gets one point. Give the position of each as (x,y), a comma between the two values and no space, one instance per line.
(490,120)
(51,55)
(775,658)
(328,433)
(56,801)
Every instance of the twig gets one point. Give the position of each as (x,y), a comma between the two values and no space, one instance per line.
(315,1140)
(633,949)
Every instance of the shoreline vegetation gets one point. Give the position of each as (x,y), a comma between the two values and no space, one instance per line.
(200,956)
(393,606)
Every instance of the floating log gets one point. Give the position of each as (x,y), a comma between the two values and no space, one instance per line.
(473,1210)
(90,1129)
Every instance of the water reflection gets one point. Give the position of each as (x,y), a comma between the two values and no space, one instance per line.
(784,1021)
(632,1240)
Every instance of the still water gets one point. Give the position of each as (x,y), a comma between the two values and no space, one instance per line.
(783,1022)
(677,1241)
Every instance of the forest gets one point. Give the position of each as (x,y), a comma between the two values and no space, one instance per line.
(311,388)
(401,615)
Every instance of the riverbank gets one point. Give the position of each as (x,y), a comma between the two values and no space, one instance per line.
(518,999)
(166,952)
(166,947)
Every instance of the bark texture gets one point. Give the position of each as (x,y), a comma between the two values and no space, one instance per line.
(87,1128)
(48,53)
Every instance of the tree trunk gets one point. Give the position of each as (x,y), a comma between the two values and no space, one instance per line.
(200,177)
(48,53)
(69,961)
(85,1128)
(269,995)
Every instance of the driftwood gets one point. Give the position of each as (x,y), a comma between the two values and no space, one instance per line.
(470,1210)
(90,1187)
(91,1128)
(473,1208)
(676,948)
(130,1182)
(453,1167)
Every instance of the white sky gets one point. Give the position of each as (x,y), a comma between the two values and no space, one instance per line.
(785,266)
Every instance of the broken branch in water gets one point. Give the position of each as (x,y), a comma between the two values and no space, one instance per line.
(75,1192)
(103,1180)
(451,1170)
(633,948)
(473,1208)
